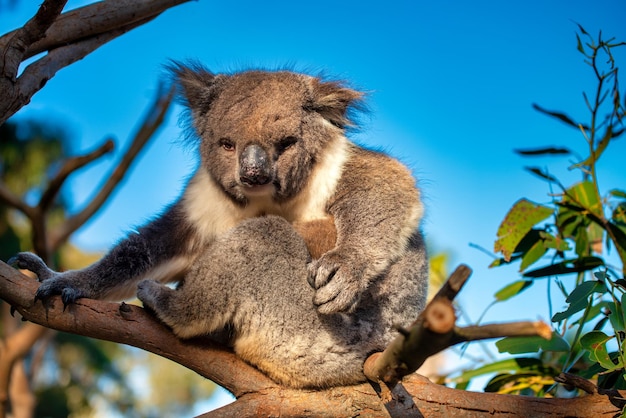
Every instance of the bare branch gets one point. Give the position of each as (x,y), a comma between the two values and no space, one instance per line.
(132,325)
(512,329)
(256,394)
(152,121)
(434,331)
(18,42)
(37,74)
(68,39)
(12,200)
(94,19)
(68,168)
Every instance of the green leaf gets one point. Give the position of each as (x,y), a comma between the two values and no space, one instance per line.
(619,215)
(519,345)
(623,311)
(582,242)
(558,115)
(619,234)
(517,223)
(618,193)
(541,174)
(512,289)
(533,255)
(616,316)
(579,299)
(579,44)
(555,242)
(568,221)
(510,364)
(543,151)
(576,265)
(583,197)
(595,343)
(585,289)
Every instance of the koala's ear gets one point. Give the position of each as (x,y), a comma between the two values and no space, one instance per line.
(333,101)
(198,86)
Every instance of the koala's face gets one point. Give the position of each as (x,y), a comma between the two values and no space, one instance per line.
(262,132)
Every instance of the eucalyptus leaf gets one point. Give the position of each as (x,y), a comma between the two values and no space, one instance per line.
(618,193)
(541,174)
(519,345)
(584,196)
(512,289)
(578,299)
(616,316)
(510,364)
(518,222)
(558,115)
(576,265)
(543,151)
(595,343)
(532,255)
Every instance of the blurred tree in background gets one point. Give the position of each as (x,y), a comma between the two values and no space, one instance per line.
(70,374)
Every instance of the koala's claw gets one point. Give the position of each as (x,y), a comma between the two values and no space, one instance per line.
(47,289)
(147,293)
(336,297)
(31,262)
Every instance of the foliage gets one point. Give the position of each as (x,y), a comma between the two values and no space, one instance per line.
(577,240)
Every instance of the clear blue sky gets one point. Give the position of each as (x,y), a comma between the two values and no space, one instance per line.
(451,86)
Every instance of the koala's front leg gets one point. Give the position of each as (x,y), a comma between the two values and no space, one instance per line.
(64,284)
(157,248)
(376,210)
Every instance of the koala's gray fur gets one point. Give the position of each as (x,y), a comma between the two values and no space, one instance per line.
(273,157)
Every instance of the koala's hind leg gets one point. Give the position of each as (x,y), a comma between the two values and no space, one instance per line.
(176,309)
(243,274)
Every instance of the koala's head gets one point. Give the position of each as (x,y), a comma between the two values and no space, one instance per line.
(262,132)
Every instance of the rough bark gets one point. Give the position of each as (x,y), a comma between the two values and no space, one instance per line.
(66,38)
(257,395)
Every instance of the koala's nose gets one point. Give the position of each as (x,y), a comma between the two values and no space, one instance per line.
(254,166)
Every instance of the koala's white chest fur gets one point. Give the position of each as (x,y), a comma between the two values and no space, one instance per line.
(212,213)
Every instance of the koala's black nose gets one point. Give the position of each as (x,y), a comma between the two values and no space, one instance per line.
(254,166)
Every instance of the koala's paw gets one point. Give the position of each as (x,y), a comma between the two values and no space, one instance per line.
(31,262)
(338,282)
(151,294)
(53,283)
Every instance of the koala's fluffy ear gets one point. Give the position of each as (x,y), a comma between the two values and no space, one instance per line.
(198,85)
(333,101)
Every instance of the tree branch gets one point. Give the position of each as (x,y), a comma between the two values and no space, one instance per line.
(18,42)
(69,166)
(434,331)
(68,38)
(256,394)
(131,325)
(12,200)
(152,121)
(94,19)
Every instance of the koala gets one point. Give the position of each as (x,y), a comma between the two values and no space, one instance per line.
(303,242)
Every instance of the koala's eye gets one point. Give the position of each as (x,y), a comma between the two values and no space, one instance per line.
(286,143)
(227,144)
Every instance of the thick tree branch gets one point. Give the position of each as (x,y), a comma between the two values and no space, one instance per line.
(257,395)
(94,19)
(130,324)
(37,74)
(18,42)
(151,123)
(67,39)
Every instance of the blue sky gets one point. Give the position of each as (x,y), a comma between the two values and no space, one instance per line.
(450,86)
